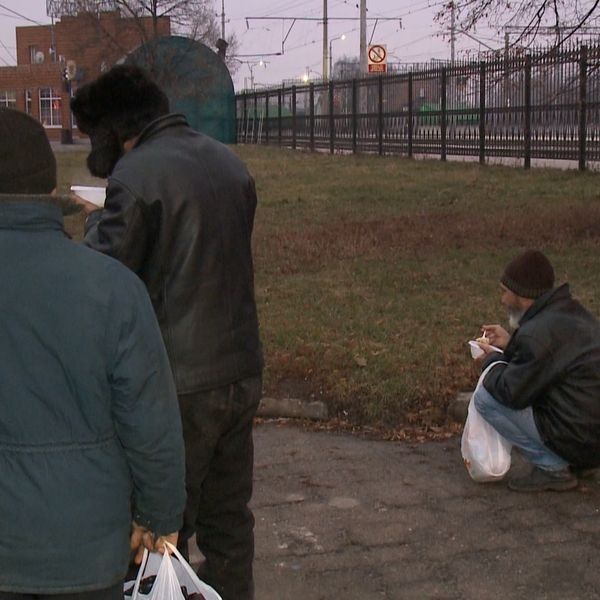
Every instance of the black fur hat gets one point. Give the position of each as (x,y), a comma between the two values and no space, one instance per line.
(115,108)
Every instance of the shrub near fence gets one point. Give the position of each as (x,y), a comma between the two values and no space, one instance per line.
(543,106)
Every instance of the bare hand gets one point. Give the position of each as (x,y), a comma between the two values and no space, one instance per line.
(88,207)
(141,538)
(497,335)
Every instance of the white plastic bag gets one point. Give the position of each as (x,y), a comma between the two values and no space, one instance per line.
(172,572)
(485,452)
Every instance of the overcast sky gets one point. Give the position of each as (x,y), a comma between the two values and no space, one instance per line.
(411,34)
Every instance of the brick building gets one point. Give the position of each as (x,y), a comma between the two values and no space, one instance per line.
(81,46)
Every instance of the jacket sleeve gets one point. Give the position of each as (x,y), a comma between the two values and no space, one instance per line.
(252,202)
(146,412)
(120,230)
(529,372)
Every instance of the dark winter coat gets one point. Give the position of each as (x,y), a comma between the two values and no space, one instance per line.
(179,212)
(88,410)
(554,367)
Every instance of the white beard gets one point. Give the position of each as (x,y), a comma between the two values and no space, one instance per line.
(514,317)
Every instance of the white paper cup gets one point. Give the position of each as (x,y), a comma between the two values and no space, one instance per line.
(95,195)
(476,350)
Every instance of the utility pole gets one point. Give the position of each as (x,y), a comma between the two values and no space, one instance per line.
(452,33)
(325,41)
(363,36)
(222,19)
(52,44)
(506,68)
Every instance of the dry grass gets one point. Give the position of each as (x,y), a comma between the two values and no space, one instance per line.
(372,273)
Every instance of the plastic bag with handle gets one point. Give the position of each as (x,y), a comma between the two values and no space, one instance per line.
(485,452)
(171,573)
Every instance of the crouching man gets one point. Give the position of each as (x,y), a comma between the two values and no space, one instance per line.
(546,399)
(89,419)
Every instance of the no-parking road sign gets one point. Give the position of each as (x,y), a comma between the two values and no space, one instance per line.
(377,58)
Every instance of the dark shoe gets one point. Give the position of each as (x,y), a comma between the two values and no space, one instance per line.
(540,480)
(583,473)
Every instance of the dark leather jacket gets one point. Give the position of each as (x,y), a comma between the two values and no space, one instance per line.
(179,212)
(554,367)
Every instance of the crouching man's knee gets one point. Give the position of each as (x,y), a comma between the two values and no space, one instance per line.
(484,402)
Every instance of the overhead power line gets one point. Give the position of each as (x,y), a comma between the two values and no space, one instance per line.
(320,18)
(16,14)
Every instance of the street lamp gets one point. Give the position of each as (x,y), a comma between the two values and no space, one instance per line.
(341,37)
(251,66)
(307,73)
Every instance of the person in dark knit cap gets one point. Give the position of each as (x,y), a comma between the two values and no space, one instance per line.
(88,409)
(545,398)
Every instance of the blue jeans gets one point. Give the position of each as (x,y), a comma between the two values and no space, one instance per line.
(518,427)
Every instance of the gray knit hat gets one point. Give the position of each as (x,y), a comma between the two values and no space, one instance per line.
(529,275)
(27,163)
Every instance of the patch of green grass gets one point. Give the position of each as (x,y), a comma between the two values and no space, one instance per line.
(372,273)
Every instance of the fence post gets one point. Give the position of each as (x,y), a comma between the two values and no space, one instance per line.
(267,117)
(583,59)
(443,115)
(380,114)
(244,127)
(255,120)
(527,132)
(354,115)
(410,115)
(279,102)
(331,120)
(294,117)
(482,113)
(311,96)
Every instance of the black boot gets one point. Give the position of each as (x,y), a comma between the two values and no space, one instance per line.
(541,480)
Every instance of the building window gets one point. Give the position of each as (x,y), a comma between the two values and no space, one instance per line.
(50,107)
(32,54)
(8,98)
(28,102)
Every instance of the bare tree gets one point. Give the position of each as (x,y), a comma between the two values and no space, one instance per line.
(194,19)
(527,19)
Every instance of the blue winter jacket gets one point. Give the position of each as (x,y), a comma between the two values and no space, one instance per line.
(88,410)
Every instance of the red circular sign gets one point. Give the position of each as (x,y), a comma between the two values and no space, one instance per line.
(377,54)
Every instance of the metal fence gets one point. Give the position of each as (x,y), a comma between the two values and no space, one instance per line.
(543,106)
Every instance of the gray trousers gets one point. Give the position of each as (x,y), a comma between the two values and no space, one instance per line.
(112,593)
(217,430)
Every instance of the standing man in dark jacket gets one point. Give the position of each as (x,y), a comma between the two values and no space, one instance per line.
(88,409)
(179,212)
(546,400)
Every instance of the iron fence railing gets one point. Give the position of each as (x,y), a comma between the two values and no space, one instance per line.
(543,106)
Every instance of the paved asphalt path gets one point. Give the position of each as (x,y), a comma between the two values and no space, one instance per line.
(342,518)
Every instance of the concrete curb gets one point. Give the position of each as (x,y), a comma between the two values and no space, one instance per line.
(292,409)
